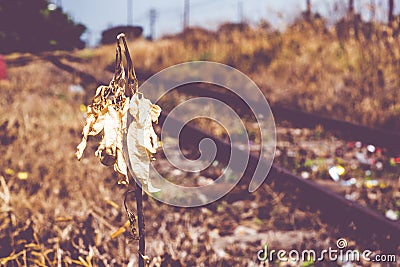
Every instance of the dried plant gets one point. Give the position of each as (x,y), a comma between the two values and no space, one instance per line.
(107,115)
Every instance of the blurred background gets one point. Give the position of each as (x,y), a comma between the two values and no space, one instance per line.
(159,18)
(337,59)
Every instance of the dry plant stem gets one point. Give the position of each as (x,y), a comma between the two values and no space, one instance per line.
(139,206)
(132,81)
(11,227)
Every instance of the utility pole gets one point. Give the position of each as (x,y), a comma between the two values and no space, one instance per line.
(240,12)
(186,11)
(130,11)
(351,8)
(152,18)
(390,15)
(308,8)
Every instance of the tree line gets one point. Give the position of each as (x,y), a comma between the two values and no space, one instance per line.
(31,26)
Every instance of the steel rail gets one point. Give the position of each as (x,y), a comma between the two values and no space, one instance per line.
(298,118)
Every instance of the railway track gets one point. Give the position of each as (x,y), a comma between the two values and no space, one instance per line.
(342,129)
(335,209)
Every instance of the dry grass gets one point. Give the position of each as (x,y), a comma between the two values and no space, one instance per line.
(308,66)
(41,123)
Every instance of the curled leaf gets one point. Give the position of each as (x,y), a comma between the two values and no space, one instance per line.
(107,115)
(141,138)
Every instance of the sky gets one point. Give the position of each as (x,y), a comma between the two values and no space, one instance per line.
(99,15)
